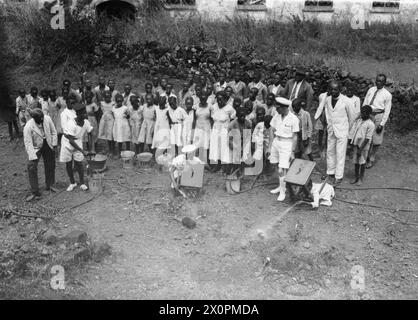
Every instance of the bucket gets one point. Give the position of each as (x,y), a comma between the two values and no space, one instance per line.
(96,182)
(127,159)
(144,159)
(97,163)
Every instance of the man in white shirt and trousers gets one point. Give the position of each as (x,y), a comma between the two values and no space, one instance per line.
(339,113)
(285,126)
(380,99)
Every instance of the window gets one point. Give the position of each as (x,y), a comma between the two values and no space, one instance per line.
(386,6)
(251,5)
(319,5)
(180,4)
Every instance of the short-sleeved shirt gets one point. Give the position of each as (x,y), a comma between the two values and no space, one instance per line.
(285,127)
(67,116)
(78,132)
(361,130)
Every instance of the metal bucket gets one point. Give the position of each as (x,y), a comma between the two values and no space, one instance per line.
(127,159)
(144,159)
(96,182)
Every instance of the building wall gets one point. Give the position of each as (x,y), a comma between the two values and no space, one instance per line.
(284,10)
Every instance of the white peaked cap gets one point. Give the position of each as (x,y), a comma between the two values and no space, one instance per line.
(283,101)
(189,148)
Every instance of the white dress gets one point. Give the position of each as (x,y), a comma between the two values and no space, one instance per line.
(161,138)
(177,116)
(201,137)
(188,128)
(135,120)
(219,146)
(121,127)
(107,121)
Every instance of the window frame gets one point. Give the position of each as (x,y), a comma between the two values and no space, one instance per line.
(252,7)
(180,7)
(318,8)
(389,10)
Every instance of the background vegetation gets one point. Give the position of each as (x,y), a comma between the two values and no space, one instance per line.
(87,43)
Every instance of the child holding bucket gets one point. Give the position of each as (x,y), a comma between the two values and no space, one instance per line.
(72,145)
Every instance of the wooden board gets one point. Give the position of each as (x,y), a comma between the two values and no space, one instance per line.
(300,171)
(193,177)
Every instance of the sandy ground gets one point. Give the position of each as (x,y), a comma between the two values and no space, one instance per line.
(247,246)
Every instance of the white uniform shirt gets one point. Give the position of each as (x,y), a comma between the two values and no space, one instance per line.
(382,101)
(67,115)
(285,127)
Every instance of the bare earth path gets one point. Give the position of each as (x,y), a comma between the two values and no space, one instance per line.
(308,254)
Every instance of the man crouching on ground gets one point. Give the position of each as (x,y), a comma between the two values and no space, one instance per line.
(182,163)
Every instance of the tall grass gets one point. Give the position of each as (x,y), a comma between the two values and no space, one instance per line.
(300,41)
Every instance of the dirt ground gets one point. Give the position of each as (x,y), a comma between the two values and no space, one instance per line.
(246,246)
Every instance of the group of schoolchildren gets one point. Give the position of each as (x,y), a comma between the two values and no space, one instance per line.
(201,113)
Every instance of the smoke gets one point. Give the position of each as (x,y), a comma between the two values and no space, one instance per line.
(6,103)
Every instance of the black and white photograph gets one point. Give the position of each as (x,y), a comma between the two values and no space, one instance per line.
(208,155)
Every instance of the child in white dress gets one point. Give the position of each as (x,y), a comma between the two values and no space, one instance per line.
(201,138)
(147,129)
(121,127)
(221,114)
(136,117)
(161,138)
(189,122)
(106,122)
(177,116)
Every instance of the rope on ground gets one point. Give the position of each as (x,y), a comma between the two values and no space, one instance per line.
(34,216)
(55,194)
(88,200)
(359,203)
(384,208)
(375,206)
(379,188)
